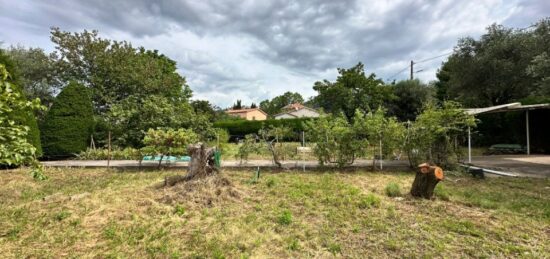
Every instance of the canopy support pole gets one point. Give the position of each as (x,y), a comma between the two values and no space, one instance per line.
(469,146)
(527,130)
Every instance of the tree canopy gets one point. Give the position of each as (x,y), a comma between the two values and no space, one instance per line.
(352,90)
(115,70)
(503,66)
(275,105)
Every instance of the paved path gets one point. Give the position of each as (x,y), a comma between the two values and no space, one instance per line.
(531,166)
(394,165)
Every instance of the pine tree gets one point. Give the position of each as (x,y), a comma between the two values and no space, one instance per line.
(69,123)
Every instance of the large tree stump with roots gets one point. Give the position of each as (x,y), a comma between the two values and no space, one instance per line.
(424,183)
(202,164)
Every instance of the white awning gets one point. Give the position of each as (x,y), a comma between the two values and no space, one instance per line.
(507,108)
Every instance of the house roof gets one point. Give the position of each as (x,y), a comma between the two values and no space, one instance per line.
(245,111)
(294,106)
(292,111)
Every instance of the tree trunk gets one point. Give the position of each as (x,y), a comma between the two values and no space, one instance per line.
(424,183)
(202,164)
(274,154)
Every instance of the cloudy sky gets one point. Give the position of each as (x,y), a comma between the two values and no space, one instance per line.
(253,50)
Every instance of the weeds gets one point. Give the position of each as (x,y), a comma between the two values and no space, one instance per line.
(393,189)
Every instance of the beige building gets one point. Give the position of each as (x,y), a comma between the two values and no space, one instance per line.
(297,110)
(252,114)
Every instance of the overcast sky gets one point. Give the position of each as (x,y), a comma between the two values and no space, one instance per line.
(253,50)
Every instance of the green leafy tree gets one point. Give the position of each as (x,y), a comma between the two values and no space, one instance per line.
(335,140)
(69,122)
(15,149)
(435,135)
(23,117)
(275,105)
(247,147)
(115,70)
(273,137)
(131,118)
(410,97)
(353,90)
(502,66)
(385,134)
(37,73)
(168,141)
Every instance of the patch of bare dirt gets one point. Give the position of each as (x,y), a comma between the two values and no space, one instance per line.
(202,192)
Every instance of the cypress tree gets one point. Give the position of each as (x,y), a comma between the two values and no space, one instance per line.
(69,122)
(26,118)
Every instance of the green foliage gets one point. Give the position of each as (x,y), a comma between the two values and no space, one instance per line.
(247,147)
(442,192)
(335,140)
(285,218)
(36,72)
(130,118)
(179,210)
(352,91)
(410,97)
(393,189)
(503,66)
(275,105)
(115,70)
(369,201)
(169,141)
(15,149)
(433,135)
(384,133)
(273,138)
(69,122)
(23,117)
(244,127)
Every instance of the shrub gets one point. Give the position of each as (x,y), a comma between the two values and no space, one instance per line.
(69,122)
(393,189)
(285,218)
(20,116)
(246,148)
(368,201)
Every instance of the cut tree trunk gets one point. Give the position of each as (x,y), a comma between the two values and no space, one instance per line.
(424,183)
(202,164)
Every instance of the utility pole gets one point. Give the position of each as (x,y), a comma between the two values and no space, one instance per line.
(412,67)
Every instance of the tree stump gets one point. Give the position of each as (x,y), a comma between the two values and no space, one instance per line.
(202,164)
(424,183)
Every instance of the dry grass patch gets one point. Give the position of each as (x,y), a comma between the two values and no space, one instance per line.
(100,213)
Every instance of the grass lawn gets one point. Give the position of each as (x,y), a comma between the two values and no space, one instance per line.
(100,213)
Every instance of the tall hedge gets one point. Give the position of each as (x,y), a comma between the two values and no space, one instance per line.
(26,118)
(69,122)
(244,127)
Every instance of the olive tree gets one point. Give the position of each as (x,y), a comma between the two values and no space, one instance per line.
(435,134)
(336,141)
(385,134)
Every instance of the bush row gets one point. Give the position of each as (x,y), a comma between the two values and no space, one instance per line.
(244,127)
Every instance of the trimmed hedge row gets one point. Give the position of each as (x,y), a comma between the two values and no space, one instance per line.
(243,127)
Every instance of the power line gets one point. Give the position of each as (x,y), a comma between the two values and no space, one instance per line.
(401,71)
(438,56)
(418,62)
